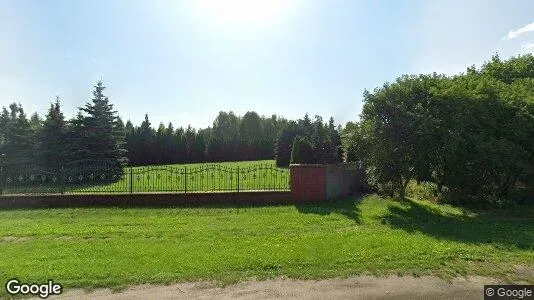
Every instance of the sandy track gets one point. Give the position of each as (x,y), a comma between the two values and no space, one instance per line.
(361,287)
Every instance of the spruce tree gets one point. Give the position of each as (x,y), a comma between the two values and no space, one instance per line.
(199,148)
(302,151)
(284,143)
(180,145)
(334,143)
(146,136)
(215,150)
(74,147)
(101,136)
(20,141)
(131,143)
(4,119)
(52,137)
(189,137)
(159,145)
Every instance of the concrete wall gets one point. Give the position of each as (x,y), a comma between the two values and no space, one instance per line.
(343,180)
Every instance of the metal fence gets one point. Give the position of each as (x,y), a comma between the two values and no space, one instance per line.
(34,179)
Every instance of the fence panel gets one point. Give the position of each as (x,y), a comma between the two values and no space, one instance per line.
(103,178)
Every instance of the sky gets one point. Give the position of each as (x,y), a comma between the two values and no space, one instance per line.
(184,61)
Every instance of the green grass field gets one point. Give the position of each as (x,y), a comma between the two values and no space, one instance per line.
(225,176)
(116,247)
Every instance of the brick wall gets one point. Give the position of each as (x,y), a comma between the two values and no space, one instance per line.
(308,182)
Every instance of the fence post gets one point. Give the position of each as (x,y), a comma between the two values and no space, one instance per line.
(238,179)
(131,180)
(185,179)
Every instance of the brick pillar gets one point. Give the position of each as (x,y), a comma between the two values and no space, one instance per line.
(308,182)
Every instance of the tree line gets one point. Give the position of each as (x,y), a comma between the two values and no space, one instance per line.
(95,135)
(231,138)
(98,135)
(470,135)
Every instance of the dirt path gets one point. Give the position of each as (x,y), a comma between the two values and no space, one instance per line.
(361,287)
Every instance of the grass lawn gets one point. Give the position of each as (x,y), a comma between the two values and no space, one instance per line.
(253,175)
(115,247)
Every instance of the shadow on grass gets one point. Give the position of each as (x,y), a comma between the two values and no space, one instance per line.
(503,230)
(346,206)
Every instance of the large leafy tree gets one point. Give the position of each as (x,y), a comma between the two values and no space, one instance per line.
(391,129)
(250,127)
(470,134)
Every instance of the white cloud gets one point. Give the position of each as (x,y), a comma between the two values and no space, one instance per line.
(528,47)
(515,33)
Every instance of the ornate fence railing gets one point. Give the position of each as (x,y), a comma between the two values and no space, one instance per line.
(33,179)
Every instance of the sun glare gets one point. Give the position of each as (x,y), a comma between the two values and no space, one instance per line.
(243,12)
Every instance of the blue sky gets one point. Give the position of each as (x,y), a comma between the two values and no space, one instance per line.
(184,61)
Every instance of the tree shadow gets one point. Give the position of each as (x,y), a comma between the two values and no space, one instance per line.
(348,207)
(155,205)
(505,230)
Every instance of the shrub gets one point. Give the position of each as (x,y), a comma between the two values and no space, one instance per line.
(302,151)
(424,191)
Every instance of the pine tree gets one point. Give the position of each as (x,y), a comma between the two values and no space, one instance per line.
(4,119)
(302,152)
(52,137)
(335,150)
(319,141)
(146,136)
(215,150)
(168,144)
(180,152)
(189,137)
(121,129)
(159,145)
(101,136)
(284,144)
(132,143)
(199,148)
(20,140)
(75,134)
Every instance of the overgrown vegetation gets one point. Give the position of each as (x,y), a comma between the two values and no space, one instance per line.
(114,247)
(472,135)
